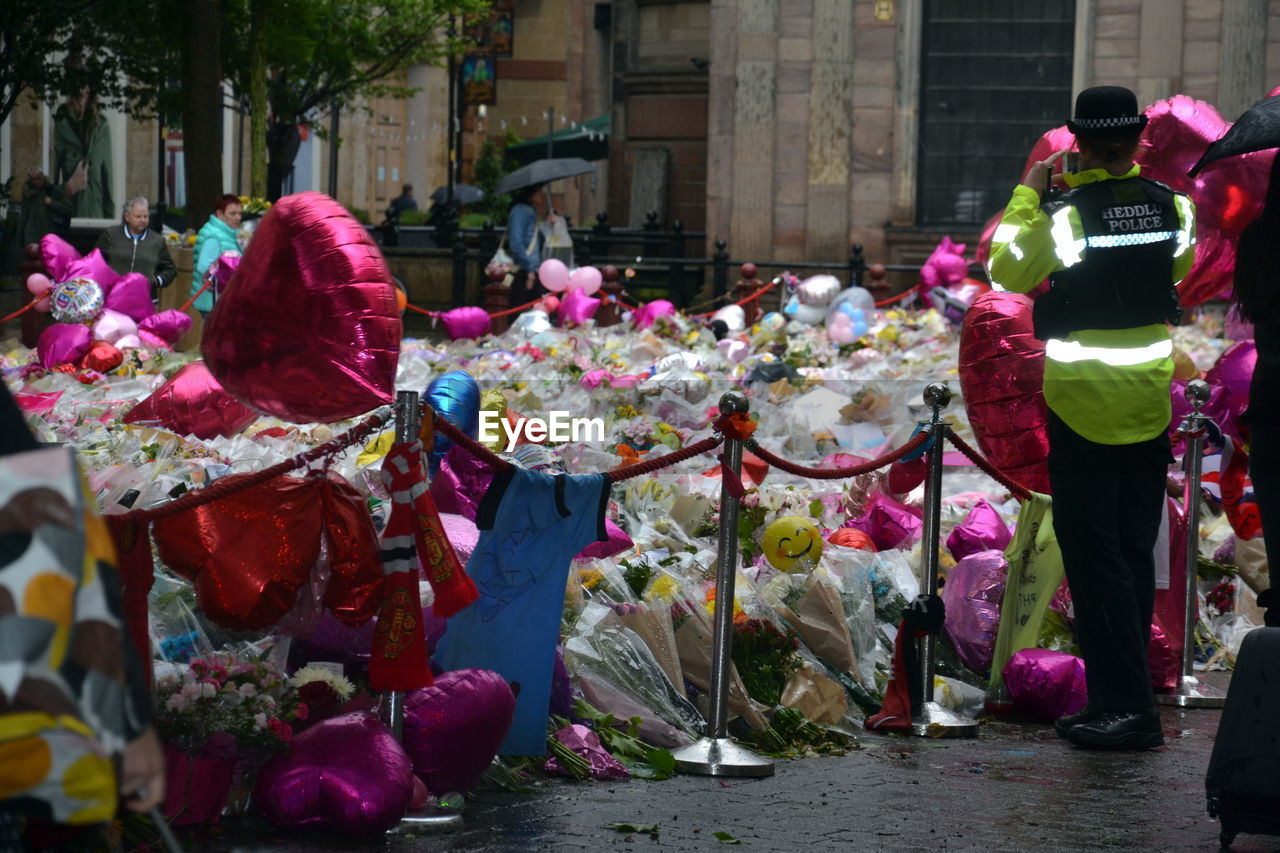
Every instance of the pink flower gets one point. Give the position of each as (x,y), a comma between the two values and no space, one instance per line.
(301,711)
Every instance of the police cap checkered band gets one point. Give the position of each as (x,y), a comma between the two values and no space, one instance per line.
(1107,111)
(1115,121)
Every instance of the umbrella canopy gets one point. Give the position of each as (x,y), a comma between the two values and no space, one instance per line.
(1257,130)
(541,171)
(589,140)
(464,193)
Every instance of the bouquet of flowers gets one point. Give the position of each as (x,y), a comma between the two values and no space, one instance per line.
(222,701)
(254,206)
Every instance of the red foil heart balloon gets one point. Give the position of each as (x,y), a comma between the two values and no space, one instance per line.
(1001,376)
(346,773)
(354,562)
(308,329)
(192,403)
(247,554)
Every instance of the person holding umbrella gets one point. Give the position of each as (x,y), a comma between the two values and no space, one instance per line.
(1113,247)
(529,207)
(1257,297)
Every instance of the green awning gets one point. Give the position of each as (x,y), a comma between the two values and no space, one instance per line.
(589,140)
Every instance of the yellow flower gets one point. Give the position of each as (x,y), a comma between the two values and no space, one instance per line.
(244,199)
(590,578)
(662,590)
(191,240)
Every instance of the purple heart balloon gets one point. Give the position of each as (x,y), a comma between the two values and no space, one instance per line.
(452,729)
(346,773)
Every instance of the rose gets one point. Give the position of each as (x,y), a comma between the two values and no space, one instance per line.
(280,729)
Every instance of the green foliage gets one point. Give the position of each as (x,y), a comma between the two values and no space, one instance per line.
(765,657)
(325,51)
(789,735)
(413,217)
(492,164)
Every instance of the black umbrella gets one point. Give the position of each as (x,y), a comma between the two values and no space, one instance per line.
(1257,130)
(541,171)
(463,193)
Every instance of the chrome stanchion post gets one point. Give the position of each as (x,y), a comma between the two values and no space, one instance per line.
(426,820)
(715,754)
(1192,692)
(933,720)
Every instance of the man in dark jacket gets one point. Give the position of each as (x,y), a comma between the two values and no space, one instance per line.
(133,247)
(46,207)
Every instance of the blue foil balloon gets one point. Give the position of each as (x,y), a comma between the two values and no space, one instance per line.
(455,396)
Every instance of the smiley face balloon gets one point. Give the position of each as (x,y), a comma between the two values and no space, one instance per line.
(792,544)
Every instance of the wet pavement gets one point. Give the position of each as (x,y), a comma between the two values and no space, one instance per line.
(1016,787)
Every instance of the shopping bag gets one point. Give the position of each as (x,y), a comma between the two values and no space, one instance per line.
(501,266)
(557,242)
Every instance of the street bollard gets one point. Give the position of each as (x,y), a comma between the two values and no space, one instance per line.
(425,820)
(1192,692)
(715,754)
(933,720)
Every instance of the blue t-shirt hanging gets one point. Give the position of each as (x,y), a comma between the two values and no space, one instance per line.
(531,526)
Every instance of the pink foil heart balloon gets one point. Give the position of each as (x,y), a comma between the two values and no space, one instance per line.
(169,326)
(63,343)
(346,773)
(452,729)
(308,329)
(192,402)
(466,322)
(1001,374)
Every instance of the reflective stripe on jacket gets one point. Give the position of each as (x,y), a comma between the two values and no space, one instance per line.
(1109,385)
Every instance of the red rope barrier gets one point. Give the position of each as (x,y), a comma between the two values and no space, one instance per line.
(837,473)
(761,292)
(224,487)
(24,309)
(208,283)
(516,310)
(1015,488)
(881,303)
(619,474)
(466,442)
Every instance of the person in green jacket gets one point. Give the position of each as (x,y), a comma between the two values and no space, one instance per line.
(1114,247)
(81,135)
(217,237)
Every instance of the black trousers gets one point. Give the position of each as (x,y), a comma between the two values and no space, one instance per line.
(1264,470)
(1107,501)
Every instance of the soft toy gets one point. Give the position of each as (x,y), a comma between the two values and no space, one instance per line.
(945,279)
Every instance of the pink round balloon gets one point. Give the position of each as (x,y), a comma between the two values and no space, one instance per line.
(168,326)
(587,279)
(129,342)
(550,303)
(553,275)
(453,729)
(63,343)
(192,402)
(578,308)
(43,304)
(38,284)
(1001,377)
(467,322)
(346,773)
(310,331)
(129,294)
(111,326)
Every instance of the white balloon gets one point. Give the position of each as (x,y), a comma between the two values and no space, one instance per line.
(733,316)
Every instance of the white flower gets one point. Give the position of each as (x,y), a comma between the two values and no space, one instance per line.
(259,722)
(176,702)
(208,691)
(248,690)
(340,684)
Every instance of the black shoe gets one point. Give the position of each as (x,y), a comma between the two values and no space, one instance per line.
(1131,730)
(1062,724)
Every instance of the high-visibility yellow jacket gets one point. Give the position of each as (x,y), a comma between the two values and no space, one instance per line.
(1109,385)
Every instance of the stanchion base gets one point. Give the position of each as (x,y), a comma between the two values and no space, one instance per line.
(1193,693)
(936,721)
(720,757)
(426,821)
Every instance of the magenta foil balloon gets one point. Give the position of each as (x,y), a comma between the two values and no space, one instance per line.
(577,307)
(645,316)
(466,322)
(346,773)
(1001,376)
(309,329)
(63,262)
(169,326)
(1045,684)
(972,594)
(452,729)
(63,343)
(615,541)
(192,403)
(982,530)
(130,295)
(890,524)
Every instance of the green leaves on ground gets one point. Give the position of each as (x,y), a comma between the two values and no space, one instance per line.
(642,760)
(645,828)
(724,837)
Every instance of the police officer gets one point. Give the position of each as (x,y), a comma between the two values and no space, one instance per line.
(1114,246)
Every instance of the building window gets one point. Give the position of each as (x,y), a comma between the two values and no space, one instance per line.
(995,76)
